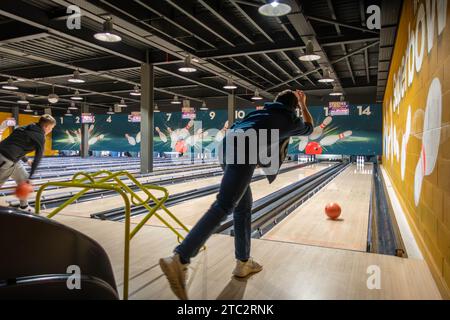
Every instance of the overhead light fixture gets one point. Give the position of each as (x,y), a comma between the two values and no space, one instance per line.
(326,78)
(175,100)
(230,85)
(122,103)
(187,67)
(23,100)
(68,113)
(28,109)
(108,34)
(52,97)
(35,114)
(336,92)
(309,53)
(76,78)
(342,98)
(156,108)
(136,91)
(110,111)
(73,106)
(77,96)
(10,85)
(275,9)
(256,97)
(204,106)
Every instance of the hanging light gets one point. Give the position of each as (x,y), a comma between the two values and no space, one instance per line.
(136,91)
(122,103)
(73,106)
(110,111)
(336,92)
(52,97)
(156,108)
(76,77)
(309,53)
(108,34)
(204,107)
(256,97)
(275,9)
(187,67)
(342,98)
(230,85)
(36,114)
(28,109)
(10,85)
(77,96)
(68,113)
(22,100)
(326,78)
(175,100)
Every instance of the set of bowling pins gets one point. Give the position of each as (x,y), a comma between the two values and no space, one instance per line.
(306,158)
(318,132)
(360,160)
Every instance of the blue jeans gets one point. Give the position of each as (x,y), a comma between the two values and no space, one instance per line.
(235,196)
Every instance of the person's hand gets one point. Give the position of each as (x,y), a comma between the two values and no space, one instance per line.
(301,96)
(30,162)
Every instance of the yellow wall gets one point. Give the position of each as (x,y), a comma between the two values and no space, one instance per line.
(417,129)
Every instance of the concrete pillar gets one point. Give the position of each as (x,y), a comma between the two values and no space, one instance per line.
(231,108)
(147,123)
(84,148)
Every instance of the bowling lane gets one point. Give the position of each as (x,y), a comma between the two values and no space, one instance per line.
(309,225)
(191,211)
(85,209)
(54,193)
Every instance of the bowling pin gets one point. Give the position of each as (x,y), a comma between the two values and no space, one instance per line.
(130,139)
(138,137)
(91,128)
(78,135)
(332,139)
(173,138)
(318,131)
(303,143)
(69,137)
(162,136)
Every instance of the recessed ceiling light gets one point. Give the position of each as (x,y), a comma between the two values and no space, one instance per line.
(275,9)
(108,34)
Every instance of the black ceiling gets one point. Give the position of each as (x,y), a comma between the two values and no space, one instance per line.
(228,37)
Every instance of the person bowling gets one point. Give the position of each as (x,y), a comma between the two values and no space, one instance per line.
(13,149)
(235,195)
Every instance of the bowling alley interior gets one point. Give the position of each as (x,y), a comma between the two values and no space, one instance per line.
(113,118)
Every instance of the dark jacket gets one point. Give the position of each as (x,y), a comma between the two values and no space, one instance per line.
(275,116)
(24,140)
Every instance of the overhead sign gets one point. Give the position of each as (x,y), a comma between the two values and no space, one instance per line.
(87,118)
(339,108)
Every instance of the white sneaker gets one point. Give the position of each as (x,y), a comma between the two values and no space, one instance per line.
(176,274)
(28,209)
(243,269)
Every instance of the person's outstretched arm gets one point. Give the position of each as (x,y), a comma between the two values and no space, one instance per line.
(307,118)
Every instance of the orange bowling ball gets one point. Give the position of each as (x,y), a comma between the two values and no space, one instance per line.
(23,190)
(333,210)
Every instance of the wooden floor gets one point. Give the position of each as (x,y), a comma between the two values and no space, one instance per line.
(191,211)
(309,224)
(291,271)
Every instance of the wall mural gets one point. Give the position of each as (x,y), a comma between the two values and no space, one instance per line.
(358,133)
(417,125)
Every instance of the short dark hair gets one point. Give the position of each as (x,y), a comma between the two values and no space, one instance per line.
(46,119)
(288,99)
